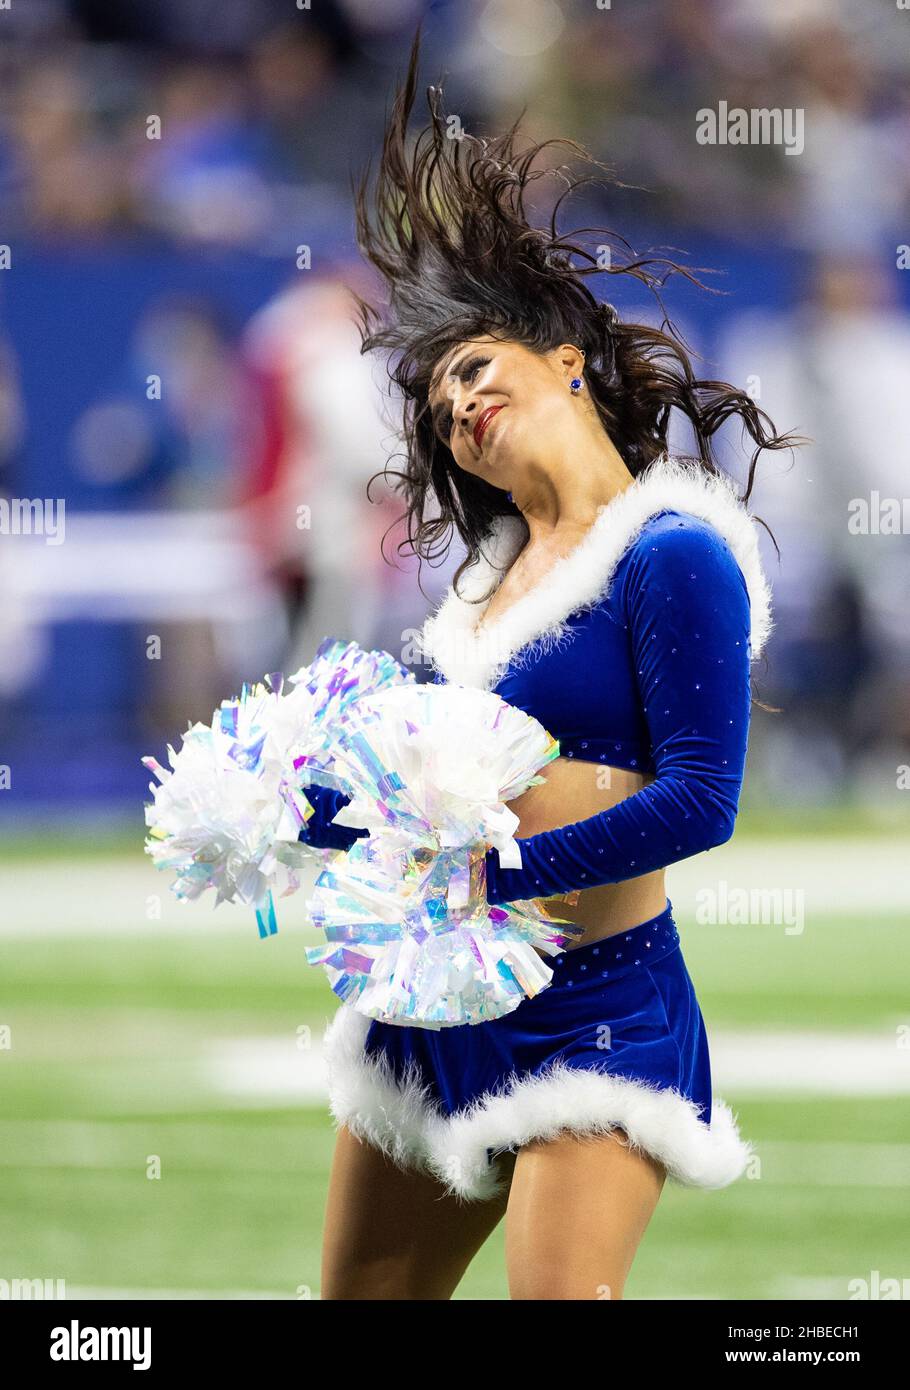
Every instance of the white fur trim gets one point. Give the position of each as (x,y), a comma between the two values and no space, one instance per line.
(365,1095)
(406,1124)
(659,1122)
(578,580)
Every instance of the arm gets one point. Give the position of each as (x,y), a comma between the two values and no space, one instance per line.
(687,610)
(319,831)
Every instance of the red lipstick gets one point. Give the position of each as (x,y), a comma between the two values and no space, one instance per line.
(483,420)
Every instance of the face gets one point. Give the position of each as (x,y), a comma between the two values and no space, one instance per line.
(532,400)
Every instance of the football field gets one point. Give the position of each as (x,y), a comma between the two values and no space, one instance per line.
(164,1130)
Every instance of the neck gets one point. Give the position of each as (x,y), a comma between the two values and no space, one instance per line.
(567,497)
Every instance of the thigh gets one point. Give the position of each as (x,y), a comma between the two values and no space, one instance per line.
(392,1233)
(578,1208)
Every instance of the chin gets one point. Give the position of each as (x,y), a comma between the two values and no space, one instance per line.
(492,465)
(476,470)
(481,468)
(495,464)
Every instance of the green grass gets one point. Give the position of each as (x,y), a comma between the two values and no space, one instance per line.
(109,1036)
(239,1206)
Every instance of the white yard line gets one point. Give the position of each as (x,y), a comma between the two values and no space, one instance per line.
(837,875)
(757,1063)
(120,897)
(744,1064)
(103,896)
(263,1072)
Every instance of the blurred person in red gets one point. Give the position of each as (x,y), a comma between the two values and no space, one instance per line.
(317,439)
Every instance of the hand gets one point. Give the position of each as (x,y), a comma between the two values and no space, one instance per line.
(492,870)
(319,831)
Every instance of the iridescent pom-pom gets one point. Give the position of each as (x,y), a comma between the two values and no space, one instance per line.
(340,675)
(228,813)
(411,937)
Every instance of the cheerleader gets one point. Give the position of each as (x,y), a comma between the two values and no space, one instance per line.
(614,592)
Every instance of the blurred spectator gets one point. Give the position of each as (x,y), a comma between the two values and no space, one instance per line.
(205,398)
(834,370)
(72,171)
(321,439)
(853,180)
(205,177)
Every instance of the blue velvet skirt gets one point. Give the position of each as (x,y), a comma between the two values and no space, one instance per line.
(616,1040)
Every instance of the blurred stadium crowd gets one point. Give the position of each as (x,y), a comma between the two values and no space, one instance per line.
(265,107)
(173,157)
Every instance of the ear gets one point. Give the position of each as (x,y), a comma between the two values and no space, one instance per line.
(570,359)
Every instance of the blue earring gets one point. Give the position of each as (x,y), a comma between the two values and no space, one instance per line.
(576,384)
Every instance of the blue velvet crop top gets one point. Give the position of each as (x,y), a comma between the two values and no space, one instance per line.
(634,653)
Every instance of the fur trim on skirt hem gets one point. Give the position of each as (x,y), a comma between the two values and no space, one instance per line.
(400,1116)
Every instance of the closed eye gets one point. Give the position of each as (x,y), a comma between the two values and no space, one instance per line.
(466,372)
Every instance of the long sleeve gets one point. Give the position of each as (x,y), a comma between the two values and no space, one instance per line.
(319,830)
(687,610)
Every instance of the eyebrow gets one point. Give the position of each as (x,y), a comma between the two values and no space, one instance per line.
(450,371)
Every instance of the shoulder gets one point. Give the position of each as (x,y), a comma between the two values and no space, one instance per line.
(677,520)
(679,551)
(673,535)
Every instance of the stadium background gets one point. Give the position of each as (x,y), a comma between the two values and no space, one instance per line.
(133,1027)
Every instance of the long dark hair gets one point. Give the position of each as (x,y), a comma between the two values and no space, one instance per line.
(447,230)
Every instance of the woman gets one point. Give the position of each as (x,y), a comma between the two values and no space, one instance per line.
(617,595)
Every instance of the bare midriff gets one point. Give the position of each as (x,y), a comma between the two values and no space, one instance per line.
(572,791)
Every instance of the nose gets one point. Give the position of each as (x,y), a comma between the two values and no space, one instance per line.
(466,412)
